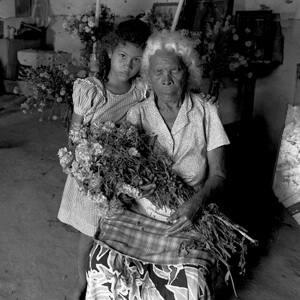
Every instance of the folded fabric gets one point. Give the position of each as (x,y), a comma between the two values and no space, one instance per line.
(140,237)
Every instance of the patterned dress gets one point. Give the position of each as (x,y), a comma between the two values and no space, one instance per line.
(89,101)
(133,259)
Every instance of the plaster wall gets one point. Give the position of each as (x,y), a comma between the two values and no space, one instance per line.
(7,8)
(289,9)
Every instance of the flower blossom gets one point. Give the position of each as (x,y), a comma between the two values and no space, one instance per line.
(97,149)
(65,157)
(133,152)
(83,153)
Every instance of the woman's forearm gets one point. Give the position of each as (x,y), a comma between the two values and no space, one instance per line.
(211,190)
(214,185)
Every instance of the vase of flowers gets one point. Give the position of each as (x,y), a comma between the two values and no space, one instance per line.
(84,27)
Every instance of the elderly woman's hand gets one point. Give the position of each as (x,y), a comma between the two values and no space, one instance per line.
(184,215)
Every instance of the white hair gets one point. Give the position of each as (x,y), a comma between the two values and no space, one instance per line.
(180,45)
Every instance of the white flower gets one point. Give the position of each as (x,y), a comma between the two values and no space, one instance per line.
(54,117)
(59,99)
(16,90)
(108,126)
(65,157)
(235,37)
(91,19)
(91,24)
(133,152)
(84,18)
(83,153)
(66,72)
(97,149)
(62,92)
(87,29)
(65,25)
(43,87)
(248,43)
(25,106)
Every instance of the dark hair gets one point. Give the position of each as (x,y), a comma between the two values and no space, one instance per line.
(133,31)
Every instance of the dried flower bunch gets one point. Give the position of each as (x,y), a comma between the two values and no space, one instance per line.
(52,87)
(111,163)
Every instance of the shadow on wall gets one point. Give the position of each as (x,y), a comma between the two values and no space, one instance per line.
(249,199)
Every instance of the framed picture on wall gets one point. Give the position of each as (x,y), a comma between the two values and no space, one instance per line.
(165,8)
(23,8)
(196,12)
(162,14)
(260,23)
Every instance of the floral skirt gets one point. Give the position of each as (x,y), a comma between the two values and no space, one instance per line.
(113,276)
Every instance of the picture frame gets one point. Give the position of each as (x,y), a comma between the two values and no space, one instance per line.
(165,8)
(196,12)
(23,8)
(260,22)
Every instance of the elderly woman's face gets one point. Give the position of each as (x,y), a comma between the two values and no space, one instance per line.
(167,74)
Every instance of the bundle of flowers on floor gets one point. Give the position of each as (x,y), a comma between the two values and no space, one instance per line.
(111,163)
(52,88)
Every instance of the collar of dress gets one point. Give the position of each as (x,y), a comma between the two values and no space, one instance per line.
(182,118)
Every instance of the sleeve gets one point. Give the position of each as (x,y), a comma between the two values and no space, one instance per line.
(84,93)
(134,116)
(215,133)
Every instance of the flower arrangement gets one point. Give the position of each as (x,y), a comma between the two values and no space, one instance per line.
(158,20)
(113,163)
(84,26)
(52,88)
(224,51)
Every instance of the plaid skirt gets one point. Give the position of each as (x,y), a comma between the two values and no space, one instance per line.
(114,276)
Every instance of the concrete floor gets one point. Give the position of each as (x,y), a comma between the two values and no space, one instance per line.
(38,254)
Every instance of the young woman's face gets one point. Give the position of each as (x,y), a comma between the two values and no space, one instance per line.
(167,74)
(125,61)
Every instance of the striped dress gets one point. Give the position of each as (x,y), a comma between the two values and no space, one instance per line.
(89,102)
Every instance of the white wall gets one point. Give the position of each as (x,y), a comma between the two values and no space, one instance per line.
(288,9)
(7,8)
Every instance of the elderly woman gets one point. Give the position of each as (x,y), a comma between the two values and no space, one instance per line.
(138,255)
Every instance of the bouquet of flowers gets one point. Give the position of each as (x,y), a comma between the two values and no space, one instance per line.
(224,51)
(52,88)
(84,27)
(111,163)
